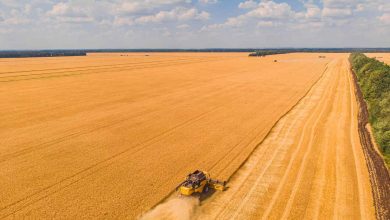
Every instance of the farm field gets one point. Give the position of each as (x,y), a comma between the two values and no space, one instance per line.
(311,165)
(384,57)
(112,135)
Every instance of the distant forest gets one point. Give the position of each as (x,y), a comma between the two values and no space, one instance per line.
(265,52)
(252,51)
(41,53)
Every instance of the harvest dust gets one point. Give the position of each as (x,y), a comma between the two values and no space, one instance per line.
(180,208)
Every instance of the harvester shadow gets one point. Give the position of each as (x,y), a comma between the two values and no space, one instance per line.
(206,195)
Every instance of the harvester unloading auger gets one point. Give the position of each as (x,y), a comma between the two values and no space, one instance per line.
(199,182)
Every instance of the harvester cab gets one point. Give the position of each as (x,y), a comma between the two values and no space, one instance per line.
(199,182)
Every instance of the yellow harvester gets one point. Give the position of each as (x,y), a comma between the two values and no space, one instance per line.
(199,182)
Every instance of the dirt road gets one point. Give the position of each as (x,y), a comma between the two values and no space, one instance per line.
(109,136)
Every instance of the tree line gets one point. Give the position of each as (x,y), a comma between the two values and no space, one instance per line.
(263,53)
(41,53)
(266,52)
(374,80)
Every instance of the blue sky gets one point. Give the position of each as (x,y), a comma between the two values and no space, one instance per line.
(69,24)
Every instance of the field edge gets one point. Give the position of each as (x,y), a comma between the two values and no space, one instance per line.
(378,172)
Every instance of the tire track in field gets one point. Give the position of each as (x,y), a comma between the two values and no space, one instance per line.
(101,165)
(324,187)
(87,130)
(94,67)
(353,145)
(338,174)
(303,188)
(5,157)
(15,78)
(268,165)
(252,184)
(282,183)
(87,71)
(253,139)
(344,150)
(316,207)
(172,196)
(70,180)
(231,210)
(351,194)
(302,167)
(157,211)
(91,67)
(224,205)
(56,206)
(60,105)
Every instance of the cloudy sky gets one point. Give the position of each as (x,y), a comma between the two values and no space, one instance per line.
(54,24)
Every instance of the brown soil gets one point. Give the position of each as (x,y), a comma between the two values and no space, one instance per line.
(370,131)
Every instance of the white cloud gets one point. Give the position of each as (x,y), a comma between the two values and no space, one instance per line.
(183,26)
(65,9)
(15,16)
(166,33)
(208,1)
(248,4)
(385,18)
(236,21)
(141,5)
(339,3)
(271,10)
(384,7)
(312,25)
(360,8)
(265,24)
(264,11)
(123,21)
(70,13)
(336,12)
(11,3)
(176,14)
(15,21)
(312,11)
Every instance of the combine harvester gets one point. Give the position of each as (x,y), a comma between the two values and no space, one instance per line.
(199,182)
